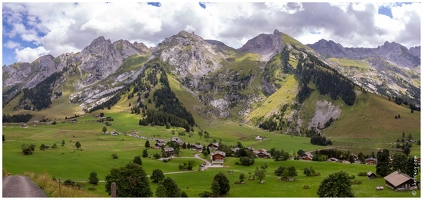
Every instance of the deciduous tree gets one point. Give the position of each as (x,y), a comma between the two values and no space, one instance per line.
(336,185)
(131,181)
(223,182)
(93,178)
(157,176)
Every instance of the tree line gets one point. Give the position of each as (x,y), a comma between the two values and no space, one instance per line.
(16,118)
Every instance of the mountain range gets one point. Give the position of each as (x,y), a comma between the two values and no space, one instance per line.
(273,81)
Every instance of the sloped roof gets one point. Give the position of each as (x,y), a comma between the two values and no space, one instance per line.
(397,178)
(218,152)
(370,173)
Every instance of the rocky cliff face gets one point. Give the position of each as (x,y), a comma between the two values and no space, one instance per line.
(390,69)
(266,45)
(189,57)
(95,63)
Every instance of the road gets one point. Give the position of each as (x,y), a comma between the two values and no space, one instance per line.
(21,186)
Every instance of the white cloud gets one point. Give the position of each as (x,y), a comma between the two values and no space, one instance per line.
(12,45)
(60,27)
(30,54)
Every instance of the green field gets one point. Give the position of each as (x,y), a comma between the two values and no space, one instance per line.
(66,162)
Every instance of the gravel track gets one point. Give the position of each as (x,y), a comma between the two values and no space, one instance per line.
(21,186)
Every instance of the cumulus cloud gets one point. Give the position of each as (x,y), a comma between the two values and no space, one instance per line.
(12,45)
(30,54)
(63,27)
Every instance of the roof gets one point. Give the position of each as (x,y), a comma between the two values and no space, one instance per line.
(373,159)
(218,152)
(397,178)
(370,173)
(168,149)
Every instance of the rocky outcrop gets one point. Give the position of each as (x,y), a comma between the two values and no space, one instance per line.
(266,45)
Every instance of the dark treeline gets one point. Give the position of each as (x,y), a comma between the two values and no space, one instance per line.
(39,96)
(161,118)
(327,80)
(319,140)
(166,101)
(16,118)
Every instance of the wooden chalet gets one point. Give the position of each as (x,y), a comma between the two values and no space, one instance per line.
(177,140)
(168,151)
(197,147)
(213,145)
(218,157)
(234,150)
(399,181)
(307,156)
(262,153)
(371,175)
(332,159)
(370,161)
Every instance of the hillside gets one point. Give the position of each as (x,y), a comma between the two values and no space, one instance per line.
(273,82)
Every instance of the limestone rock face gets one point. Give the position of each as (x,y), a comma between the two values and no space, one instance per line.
(267,45)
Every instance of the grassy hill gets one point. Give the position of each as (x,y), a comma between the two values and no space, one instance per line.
(370,124)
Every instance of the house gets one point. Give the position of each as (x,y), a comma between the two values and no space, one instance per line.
(260,138)
(307,156)
(218,157)
(250,149)
(168,151)
(214,145)
(346,162)
(24,126)
(177,140)
(371,175)
(262,153)
(332,159)
(234,150)
(74,120)
(370,161)
(197,147)
(399,181)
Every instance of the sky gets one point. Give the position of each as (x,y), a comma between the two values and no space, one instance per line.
(31,30)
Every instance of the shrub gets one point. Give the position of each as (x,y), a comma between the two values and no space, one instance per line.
(362,174)
(306,187)
(114,156)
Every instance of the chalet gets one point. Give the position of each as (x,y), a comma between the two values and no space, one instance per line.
(74,120)
(114,133)
(250,149)
(370,161)
(260,138)
(307,156)
(197,147)
(262,153)
(371,175)
(214,145)
(159,145)
(399,181)
(177,140)
(168,151)
(355,157)
(24,126)
(332,159)
(234,150)
(218,157)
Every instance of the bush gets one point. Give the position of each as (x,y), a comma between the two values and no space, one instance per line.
(362,174)
(114,156)
(306,187)
(356,182)
(69,182)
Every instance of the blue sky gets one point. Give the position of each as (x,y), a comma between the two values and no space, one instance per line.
(31,30)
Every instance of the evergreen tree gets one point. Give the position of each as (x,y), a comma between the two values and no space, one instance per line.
(399,162)
(157,176)
(144,153)
(172,189)
(215,188)
(361,157)
(147,144)
(137,160)
(77,144)
(383,167)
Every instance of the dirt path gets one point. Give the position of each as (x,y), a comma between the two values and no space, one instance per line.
(21,186)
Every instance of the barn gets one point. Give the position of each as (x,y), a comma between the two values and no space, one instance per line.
(399,181)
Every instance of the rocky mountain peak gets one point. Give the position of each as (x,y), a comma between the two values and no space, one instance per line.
(265,44)
(329,48)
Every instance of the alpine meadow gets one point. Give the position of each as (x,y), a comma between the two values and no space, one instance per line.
(194,117)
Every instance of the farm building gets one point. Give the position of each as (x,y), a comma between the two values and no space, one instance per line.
(213,145)
(399,181)
(197,147)
(262,153)
(218,157)
(307,156)
(234,150)
(332,159)
(370,161)
(371,175)
(168,151)
(177,140)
